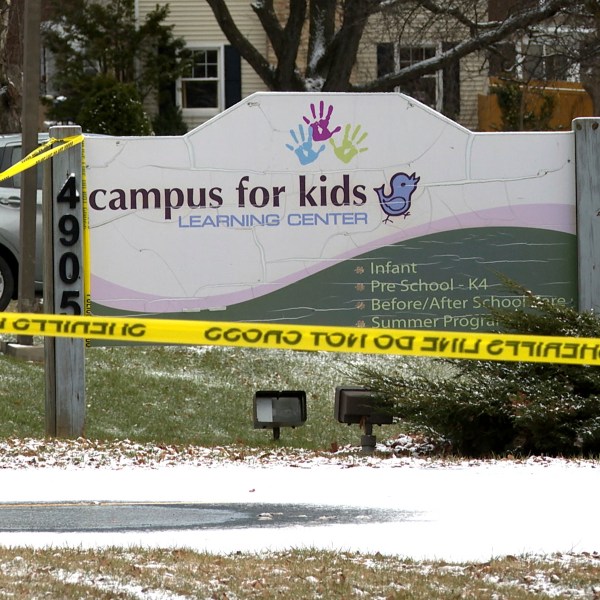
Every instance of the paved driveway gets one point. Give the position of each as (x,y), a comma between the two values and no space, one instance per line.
(416,508)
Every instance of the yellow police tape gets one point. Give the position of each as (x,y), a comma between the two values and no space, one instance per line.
(482,346)
(47,150)
(87,269)
(43,152)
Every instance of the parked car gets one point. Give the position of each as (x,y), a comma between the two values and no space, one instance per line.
(10,204)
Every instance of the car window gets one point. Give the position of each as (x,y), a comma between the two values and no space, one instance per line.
(11,156)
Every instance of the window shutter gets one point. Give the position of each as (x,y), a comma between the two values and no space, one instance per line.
(385,59)
(451,85)
(233,76)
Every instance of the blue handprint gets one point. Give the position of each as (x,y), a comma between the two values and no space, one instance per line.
(303,147)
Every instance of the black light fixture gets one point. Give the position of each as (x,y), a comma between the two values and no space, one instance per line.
(273,410)
(355,405)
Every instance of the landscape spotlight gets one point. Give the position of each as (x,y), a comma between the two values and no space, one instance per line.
(361,406)
(273,410)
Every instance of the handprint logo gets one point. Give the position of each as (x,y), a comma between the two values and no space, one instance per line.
(350,145)
(303,146)
(320,122)
(319,129)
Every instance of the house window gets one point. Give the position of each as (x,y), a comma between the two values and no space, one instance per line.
(439,90)
(200,85)
(542,62)
(213,82)
(425,88)
(529,60)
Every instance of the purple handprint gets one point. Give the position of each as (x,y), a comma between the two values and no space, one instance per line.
(320,123)
(304,147)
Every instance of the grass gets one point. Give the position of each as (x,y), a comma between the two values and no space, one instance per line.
(181,395)
(203,396)
(135,573)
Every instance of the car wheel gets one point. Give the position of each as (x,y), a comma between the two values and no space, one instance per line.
(7,284)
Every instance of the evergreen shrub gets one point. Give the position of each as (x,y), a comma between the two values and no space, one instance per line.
(113,108)
(485,408)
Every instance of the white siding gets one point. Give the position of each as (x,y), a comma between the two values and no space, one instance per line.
(473,82)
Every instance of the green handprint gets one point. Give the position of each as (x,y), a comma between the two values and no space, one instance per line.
(349,147)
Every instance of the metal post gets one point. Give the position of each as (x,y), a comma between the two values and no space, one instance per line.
(367,440)
(63,288)
(587,179)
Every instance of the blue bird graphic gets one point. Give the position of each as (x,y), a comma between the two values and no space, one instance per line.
(397,202)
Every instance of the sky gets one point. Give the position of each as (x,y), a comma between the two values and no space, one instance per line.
(454,511)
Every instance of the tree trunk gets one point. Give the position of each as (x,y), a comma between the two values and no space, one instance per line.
(345,46)
(591,83)
(10,96)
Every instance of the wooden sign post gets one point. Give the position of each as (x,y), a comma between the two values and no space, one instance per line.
(63,288)
(587,175)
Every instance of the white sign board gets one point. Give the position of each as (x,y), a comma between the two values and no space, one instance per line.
(351,209)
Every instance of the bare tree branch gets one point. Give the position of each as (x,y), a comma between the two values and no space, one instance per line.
(336,28)
(449,11)
(321,32)
(513,24)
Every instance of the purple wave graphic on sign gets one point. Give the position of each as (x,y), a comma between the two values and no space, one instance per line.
(559,218)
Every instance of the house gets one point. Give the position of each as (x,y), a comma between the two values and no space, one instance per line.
(544,70)
(398,40)
(219,77)
(461,90)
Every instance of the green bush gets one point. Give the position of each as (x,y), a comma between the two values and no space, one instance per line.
(518,114)
(169,121)
(485,408)
(113,108)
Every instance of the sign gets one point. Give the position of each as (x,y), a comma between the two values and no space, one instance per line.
(362,210)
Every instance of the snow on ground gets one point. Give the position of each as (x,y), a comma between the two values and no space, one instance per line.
(452,510)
